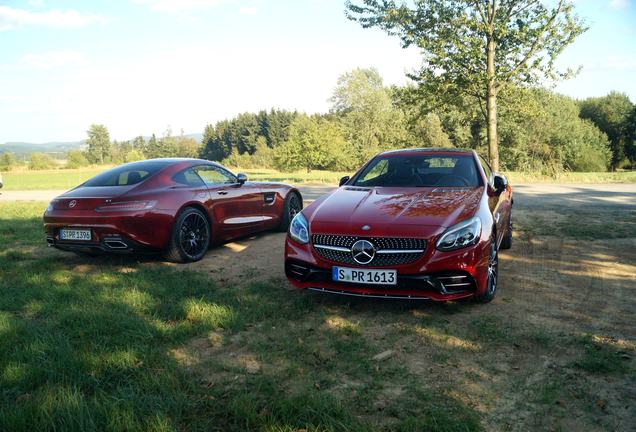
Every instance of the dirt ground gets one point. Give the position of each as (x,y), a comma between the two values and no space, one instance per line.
(556,349)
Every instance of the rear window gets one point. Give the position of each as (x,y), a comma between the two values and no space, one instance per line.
(127,175)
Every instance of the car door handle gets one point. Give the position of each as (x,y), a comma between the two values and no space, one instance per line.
(222,192)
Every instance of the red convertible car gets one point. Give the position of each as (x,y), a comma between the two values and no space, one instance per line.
(418,223)
(175,206)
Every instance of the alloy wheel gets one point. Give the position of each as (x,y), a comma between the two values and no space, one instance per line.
(493,267)
(193,235)
(294,206)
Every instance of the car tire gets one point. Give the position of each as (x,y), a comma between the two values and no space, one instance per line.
(506,242)
(293,205)
(493,273)
(190,237)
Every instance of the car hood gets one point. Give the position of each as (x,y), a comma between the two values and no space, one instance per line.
(420,212)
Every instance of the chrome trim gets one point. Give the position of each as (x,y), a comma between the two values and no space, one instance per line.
(399,251)
(333,248)
(385,296)
(115,244)
(383,251)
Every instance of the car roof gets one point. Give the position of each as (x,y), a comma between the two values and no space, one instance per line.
(428,150)
(173,161)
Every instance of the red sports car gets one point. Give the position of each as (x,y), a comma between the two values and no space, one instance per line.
(418,223)
(175,206)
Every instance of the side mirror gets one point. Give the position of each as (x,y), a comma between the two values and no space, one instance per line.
(241,178)
(344,180)
(500,183)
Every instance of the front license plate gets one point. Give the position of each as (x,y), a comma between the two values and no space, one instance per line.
(363,276)
(75,234)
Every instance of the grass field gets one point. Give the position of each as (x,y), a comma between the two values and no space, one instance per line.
(68,178)
(112,343)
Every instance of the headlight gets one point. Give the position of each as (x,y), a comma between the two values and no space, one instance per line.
(460,235)
(299,229)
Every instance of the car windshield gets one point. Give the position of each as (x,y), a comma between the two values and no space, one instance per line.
(128,174)
(421,170)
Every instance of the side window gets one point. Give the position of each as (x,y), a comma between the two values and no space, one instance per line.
(188,177)
(487,169)
(213,176)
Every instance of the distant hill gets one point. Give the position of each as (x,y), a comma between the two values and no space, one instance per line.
(54,147)
(58,147)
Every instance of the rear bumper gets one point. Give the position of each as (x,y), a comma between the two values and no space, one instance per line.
(113,244)
(140,232)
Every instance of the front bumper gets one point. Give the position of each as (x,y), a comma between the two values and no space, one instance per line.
(439,276)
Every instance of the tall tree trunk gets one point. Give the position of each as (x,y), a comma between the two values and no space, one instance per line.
(491,105)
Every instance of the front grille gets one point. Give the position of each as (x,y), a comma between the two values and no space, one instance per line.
(382,244)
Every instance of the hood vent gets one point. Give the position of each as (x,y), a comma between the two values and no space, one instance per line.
(356,188)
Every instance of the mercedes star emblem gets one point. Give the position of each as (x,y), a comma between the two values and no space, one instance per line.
(72,203)
(363,251)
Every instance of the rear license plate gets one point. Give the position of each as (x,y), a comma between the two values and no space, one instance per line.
(75,234)
(363,276)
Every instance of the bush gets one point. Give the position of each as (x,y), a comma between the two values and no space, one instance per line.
(41,161)
(7,161)
(76,159)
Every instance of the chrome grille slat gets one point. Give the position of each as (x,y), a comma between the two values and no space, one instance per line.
(390,251)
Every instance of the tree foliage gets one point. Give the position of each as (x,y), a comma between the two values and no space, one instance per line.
(98,142)
(612,114)
(76,159)
(41,161)
(476,47)
(7,161)
(313,143)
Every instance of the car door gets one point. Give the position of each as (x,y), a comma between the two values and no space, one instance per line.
(495,200)
(235,207)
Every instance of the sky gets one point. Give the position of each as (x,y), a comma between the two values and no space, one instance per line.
(143,66)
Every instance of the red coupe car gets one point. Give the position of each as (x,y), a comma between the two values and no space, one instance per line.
(175,206)
(418,223)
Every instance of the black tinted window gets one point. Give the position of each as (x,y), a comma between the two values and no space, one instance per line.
(126,175)
(424,170)
(188,177)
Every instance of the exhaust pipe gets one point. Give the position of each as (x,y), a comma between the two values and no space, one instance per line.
(116,244)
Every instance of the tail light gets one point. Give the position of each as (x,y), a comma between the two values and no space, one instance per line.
(124,206)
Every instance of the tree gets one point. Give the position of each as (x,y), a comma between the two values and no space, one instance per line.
(76,159)
(41,161)
(476,47)
(429,133)
(313,144)
(366,113)
(153,149)
(139,145)
(611,114)
(7,161)
(98,142)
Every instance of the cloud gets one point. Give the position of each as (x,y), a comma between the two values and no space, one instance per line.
(178,5)
(36,3)
(619,4)
(52,60)
(251,10)
(12,18)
